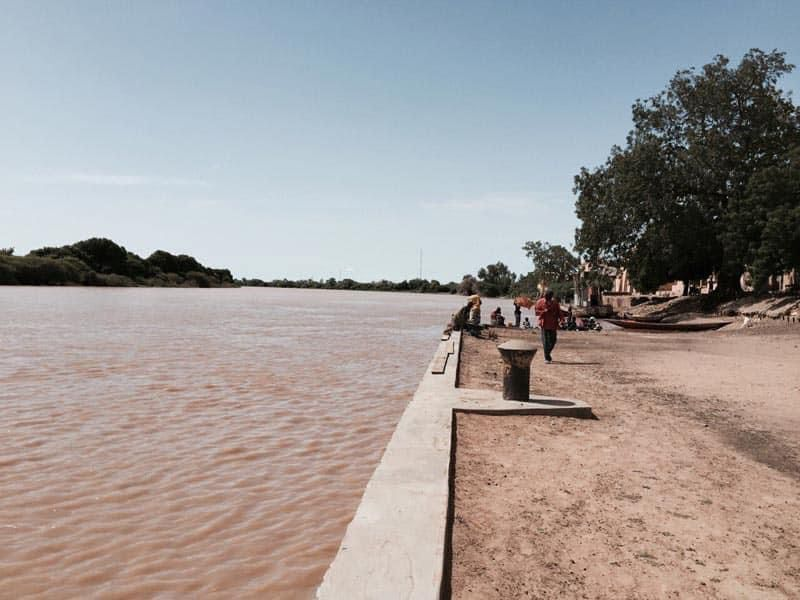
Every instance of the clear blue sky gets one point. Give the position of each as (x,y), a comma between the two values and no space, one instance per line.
(312,139)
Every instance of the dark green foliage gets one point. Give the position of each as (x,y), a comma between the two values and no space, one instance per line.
(526,285)
(8,274)
(495,280)
(170,263)
(422,286)
(34,270)
(114,280)
(598,277)
(679,202)
(101,262)
(772,229)
(136,267)
(182,269)
(102,255)
(552,264)
(563,290)
(93,279)
(222,275)
(468,285)
(201,279)
(554,267)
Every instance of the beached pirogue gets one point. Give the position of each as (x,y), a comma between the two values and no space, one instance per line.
(656,326)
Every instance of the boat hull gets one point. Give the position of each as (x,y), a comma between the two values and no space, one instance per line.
(650,326)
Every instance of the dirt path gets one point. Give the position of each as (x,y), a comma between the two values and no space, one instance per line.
(687,484)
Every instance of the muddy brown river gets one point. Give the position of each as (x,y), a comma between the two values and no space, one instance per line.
(194,443)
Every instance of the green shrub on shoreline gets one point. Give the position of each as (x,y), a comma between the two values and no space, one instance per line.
(102,262)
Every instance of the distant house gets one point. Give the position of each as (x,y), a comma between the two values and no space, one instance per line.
(621,293)
(784,282)
(592,295)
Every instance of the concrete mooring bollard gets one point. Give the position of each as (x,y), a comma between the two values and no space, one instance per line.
(517,354)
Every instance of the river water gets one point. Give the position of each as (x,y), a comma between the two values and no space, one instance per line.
(194,443)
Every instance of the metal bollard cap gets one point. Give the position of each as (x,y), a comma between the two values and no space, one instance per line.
(517,353)
(517,345)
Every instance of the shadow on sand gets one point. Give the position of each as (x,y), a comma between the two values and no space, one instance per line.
(566,362)
(549,401)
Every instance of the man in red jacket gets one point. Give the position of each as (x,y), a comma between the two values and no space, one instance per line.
(549,313)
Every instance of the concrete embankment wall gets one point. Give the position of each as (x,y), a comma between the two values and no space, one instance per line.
(397,543)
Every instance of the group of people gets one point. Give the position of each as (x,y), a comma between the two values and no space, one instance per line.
(547,309)
(573,323)
(497,319)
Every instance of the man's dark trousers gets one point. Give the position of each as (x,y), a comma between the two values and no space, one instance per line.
(549,337)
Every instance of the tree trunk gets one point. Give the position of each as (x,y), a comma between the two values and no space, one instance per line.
(685,287)
(728,284)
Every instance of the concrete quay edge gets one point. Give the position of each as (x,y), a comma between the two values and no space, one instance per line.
(397,544)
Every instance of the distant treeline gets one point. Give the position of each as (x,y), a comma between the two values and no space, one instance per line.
(422,286)
(101,262)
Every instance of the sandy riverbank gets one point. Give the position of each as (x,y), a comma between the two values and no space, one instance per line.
(687,484)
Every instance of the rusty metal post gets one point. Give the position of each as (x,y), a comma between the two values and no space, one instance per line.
(517,354)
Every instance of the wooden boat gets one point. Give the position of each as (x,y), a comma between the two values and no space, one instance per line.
(649,326)
(598,312)
(642,319)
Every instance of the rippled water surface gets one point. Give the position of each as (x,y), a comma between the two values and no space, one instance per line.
(194,442)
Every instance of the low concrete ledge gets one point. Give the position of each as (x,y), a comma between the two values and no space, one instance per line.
(488,402)
(396,544)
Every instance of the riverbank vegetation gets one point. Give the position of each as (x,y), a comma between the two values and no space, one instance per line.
(707,184)
(492,281)
(422,286)
(102,262)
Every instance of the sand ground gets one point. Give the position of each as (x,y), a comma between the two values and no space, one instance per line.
(686,485)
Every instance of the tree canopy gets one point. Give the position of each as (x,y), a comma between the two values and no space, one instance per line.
(554,267)
(551,263)
(468,285)
(495,280)
(686,196)
(100,261)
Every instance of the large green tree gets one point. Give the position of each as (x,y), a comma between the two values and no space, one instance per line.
(666,205)
(554,266)
(468,285)
(495,280)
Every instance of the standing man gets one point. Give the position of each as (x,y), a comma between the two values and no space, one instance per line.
(549,313)
(517,314)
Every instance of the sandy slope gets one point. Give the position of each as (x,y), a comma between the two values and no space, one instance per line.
(687,485)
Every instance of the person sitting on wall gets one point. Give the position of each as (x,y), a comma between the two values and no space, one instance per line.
(461,318)
(474,322)
(526,324)
(496,318)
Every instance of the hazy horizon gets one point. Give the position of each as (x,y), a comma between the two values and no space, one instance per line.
(300,140)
